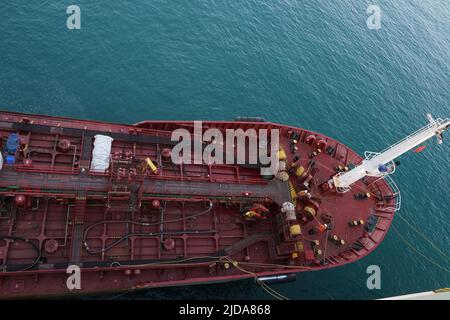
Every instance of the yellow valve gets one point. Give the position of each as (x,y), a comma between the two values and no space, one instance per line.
(299,246)
(310,210)
(295,230)
(250,214)
(281,154)
(299,171)
(151,165)
(293,193)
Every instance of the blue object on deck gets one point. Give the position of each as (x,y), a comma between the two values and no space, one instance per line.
(383,168)
(10,159)
(12,143)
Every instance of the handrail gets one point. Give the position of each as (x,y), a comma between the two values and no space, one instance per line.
(434,123)
(371,165)
(395,189)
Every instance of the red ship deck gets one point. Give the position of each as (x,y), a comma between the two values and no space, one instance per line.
(54,212)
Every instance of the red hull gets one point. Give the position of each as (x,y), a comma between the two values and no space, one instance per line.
(56,213)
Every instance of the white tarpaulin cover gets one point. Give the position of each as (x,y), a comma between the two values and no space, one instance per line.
(101,152)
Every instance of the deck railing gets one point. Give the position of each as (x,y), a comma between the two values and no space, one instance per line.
(396,191)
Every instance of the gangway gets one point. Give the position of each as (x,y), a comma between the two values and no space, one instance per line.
(382,164)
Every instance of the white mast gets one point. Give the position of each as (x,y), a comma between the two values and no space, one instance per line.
(375,161)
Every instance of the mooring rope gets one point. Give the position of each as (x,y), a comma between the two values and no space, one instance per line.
(418,252)
(424,237)
(268,289)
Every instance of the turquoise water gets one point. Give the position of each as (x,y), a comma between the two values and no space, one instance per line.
(313,64)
